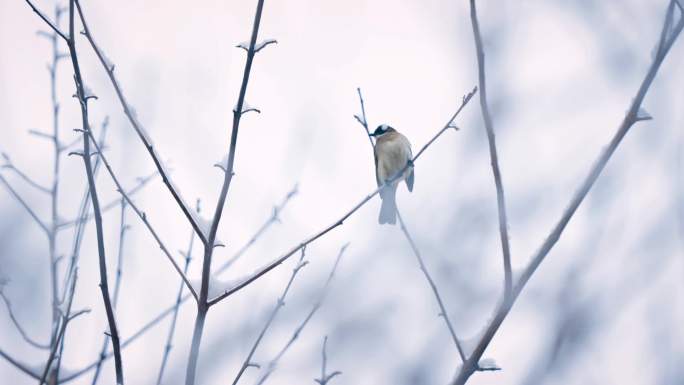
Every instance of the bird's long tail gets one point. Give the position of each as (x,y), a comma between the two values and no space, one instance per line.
(388,210)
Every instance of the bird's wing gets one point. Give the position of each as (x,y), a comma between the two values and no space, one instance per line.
(410,177)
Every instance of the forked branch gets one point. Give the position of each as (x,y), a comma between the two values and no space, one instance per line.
(270,266)
(671,31)
(140,130)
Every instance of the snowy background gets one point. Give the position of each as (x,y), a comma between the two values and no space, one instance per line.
(605,307)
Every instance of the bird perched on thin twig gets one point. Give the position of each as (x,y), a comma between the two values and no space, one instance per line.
(392,154)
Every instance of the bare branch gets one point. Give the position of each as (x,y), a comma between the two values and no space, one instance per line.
(324,292)
(88,216)
(325,378)
(143,217)
(10,166)
(489,127)
(279,304)
(443,313)
(228,177)
(665,43)
(270,221)
(54,191)
(17,324)
(62,328)
(82,212)
(117,283)
(442,310)
(170,310)
(85,126)
(169,338)
(362,120)
(140,130)
(25,205)
(203,306)
(47,20)
(270,266)
(19,365)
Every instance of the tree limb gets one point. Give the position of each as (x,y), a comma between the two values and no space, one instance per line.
(665,43)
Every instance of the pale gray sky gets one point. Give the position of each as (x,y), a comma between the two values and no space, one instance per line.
(560,77)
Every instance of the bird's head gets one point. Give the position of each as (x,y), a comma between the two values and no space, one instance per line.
(382,130)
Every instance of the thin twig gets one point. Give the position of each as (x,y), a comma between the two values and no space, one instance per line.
(47,21)
(324,292)
(65,319)
(442,310)
(76,248)
(19,365)
(150,324)
(80,228)
(140,130)
(168,311)
(443,313)
(54,191)
(17,324)
(363,120)
(489,127)
(174,317)
(25,205)
(279,304)
(117,284)
(142,216)
(325,378)
(274,218)
(9,166)
(203,306)
(271,265)
(631,117)
(141,182)
(104,286)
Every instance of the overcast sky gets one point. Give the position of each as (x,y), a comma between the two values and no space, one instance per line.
(560,78)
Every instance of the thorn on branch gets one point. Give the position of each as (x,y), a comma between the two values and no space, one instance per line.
(244,45)
(257,47)
(87,95)
(642,115)
(275,217)
(358,119)
(263,44)
(246,108)
(486,369)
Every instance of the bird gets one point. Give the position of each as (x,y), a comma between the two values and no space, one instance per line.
(392,155)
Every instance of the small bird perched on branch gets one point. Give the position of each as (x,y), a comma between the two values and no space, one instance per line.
(392,154)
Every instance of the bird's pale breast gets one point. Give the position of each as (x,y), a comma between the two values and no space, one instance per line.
(392,151)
